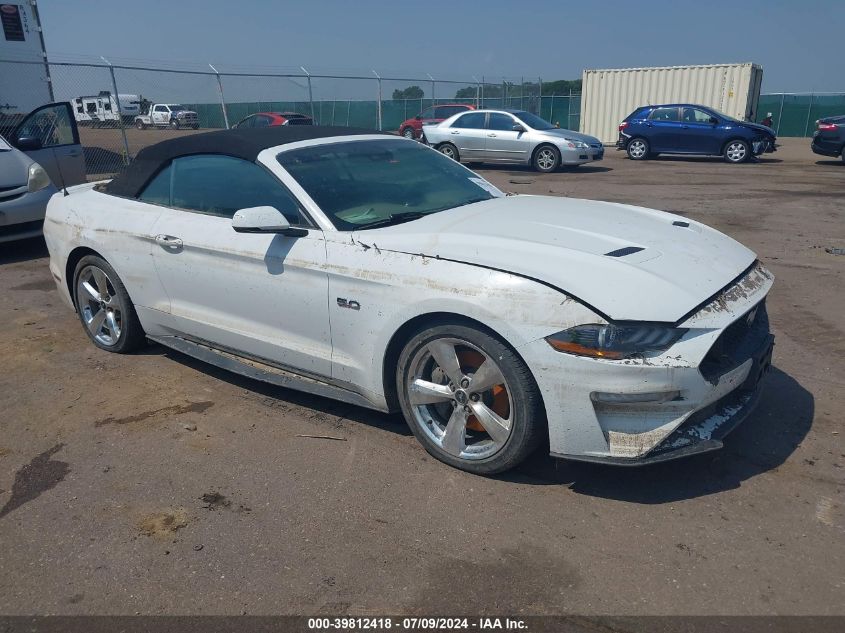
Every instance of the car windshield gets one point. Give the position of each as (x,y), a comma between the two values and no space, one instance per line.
(532,120)
(369,183)
(724,116)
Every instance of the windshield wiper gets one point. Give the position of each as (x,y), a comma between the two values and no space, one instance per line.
(395,218)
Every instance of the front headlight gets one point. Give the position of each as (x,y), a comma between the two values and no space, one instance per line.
(38,178)
(576,144)
(615,342)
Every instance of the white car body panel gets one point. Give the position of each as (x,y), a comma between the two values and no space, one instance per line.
(329,304)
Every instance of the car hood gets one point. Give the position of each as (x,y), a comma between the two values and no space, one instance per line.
(758,127)
(629,263)
(560,133)
(14,166)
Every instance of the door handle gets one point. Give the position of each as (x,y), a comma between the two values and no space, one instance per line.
(455,132)
(491,135)
(168,241)
(685,127)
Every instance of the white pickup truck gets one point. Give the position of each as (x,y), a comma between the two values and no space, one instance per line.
(167,115)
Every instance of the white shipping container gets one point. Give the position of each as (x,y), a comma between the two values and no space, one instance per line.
(608,96)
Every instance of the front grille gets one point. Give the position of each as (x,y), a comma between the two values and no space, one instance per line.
(13,187)
(737,343)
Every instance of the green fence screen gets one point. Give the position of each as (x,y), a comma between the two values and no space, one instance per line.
(563,110)
(796,114)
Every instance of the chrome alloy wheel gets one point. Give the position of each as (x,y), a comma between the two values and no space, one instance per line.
(546,158)
(460,398)
(99,305)
(636,148)
(448,150)
(736,152)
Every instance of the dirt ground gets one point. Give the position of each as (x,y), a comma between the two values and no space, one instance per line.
(154,484)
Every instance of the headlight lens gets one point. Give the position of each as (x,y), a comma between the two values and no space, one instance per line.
(38,178)
(615,342)
(576,144)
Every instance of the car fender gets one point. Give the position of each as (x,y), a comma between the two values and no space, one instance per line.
(374,293)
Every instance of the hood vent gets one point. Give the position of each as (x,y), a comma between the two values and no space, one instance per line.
(628,250)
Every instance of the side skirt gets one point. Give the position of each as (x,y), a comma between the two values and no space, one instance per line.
(264,372)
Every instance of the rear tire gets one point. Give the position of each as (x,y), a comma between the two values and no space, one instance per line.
(140,125)
(107,313)
(638,149)
(737,151)
(451,422)
(174,125)
(408,132)
(447,149)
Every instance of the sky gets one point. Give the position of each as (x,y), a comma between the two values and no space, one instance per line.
(798,43)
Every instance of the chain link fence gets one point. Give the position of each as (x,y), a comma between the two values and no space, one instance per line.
(111,135)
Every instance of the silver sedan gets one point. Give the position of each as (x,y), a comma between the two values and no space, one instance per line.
(511,136)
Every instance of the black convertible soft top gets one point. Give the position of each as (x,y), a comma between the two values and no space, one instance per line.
(244,143)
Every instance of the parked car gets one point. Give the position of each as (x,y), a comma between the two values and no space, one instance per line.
(829,137)
(42,153)
(512,136)
(413,128)
(272,119)
(171,115)
(684,128)
(623,335)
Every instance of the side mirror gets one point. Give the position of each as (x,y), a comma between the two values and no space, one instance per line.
(714,120)
(518,128)
(264,220)
(28,144)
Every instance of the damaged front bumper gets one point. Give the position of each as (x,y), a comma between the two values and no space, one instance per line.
(682,401)
(704,430)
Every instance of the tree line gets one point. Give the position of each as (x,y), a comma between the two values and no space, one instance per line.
(528,88)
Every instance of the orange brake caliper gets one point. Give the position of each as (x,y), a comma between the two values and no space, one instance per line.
(471,360)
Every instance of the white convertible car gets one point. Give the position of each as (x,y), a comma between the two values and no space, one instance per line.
(374,270)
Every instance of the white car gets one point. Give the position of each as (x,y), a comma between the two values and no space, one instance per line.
(374,270)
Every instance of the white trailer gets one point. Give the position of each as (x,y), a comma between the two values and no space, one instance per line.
(24,75)
(608,96)
(104,109)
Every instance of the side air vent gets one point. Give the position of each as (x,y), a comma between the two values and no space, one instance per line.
(681,224)
(628,250)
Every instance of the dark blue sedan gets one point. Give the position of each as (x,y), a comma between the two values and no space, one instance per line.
(683,128)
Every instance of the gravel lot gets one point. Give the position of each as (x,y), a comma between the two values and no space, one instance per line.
(154,484)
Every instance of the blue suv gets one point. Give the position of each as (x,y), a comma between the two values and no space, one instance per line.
(684,128)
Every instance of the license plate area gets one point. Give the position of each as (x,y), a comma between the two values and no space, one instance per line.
(761,363)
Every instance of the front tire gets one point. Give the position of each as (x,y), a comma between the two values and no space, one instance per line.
(104,307)
(638,149)
(469,399)
(447,149)
(546,159)
(737,151)
(408,132)
(174,125)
